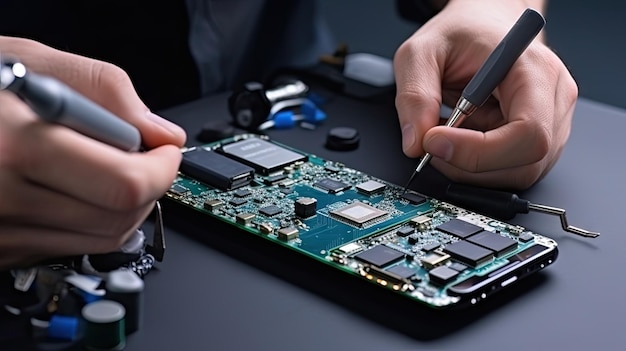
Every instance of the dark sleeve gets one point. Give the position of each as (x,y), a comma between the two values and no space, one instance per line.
(419,11)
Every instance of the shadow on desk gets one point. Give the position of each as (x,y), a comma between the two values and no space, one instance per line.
(380,305)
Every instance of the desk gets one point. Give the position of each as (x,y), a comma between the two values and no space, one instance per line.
(200,298)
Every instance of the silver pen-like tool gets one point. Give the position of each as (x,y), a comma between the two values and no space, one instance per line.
(492,72)
(55,102)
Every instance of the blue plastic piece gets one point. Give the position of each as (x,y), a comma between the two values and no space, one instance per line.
(63,327)
(284,119)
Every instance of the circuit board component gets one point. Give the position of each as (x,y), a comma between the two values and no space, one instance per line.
(435,253)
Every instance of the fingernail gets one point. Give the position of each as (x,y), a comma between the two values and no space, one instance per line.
(171,127)
(440,146)
(408,136)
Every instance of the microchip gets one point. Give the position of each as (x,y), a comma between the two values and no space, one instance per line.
(178,189)
(494,242)
(526,237)
(243,193)
(380,256)
(358,214)
(237,201)
(413,197)
(215,170)
(402,271)
(264,156)
(370,187)
(331,185)
(459,267)
(442,275)
(273,179)
(468,253)
(431,246)
(270,211)
(405,231)
(459,228)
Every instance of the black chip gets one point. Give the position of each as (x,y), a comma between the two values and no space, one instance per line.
(413,239)
(442,275)
(215,170)
(269,211)
(380,256)
(264,156)
(271,180)
(403,272)
(237,201)
(526,237)
(430,247)
(331,185)
(413,197)
(494,242)
(286,191)
(242,193)
(468,253)
(459,228)
(405,231)
(459,267)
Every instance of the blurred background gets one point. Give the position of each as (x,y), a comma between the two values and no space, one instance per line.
(586,35)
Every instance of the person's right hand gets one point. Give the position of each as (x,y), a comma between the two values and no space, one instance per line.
(62,192)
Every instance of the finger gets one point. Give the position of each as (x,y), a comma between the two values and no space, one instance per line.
(528,107)
(95,173)
(104,83)
(514,144)
(515,178)
(25,202)
(418,97)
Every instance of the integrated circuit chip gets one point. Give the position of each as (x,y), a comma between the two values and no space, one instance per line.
(459,228)
(269,211)
(215,170)
(264,156)
(380,256)
(494,242)
(468,253)
(442,275)
(359,214)
(331,185)
(370,187)
(413,197)
(402,271)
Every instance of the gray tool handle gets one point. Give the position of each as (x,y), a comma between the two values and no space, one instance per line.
(497,65)
(55,102)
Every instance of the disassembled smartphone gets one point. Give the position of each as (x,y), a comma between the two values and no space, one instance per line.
(427,250)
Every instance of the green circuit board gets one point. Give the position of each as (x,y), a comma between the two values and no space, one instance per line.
(428,250)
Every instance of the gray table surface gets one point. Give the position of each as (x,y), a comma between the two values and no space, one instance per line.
(201,298)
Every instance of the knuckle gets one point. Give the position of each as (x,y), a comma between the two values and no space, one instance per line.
(130,191)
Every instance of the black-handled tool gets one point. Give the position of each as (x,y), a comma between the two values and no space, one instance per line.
(492,72)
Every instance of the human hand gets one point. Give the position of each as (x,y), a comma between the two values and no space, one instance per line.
(517,136)
(62,192)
